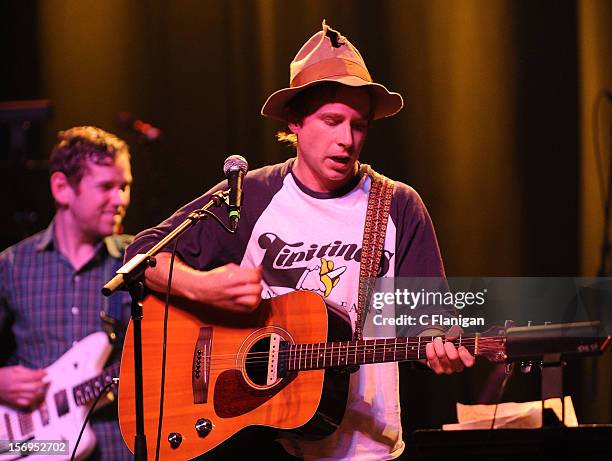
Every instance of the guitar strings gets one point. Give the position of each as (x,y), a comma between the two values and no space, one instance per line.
(312,361)
(313,354)
(309,347)
(379,347)
(335,346)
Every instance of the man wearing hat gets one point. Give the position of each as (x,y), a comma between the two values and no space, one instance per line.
(302,228)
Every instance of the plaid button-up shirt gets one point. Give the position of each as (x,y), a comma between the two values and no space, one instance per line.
(50,306)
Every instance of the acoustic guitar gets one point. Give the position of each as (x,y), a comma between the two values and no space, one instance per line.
(283,366)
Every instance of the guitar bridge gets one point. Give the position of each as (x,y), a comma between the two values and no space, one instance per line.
(200,369)
(273,359)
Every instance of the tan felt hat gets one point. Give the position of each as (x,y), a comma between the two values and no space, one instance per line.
(328,56)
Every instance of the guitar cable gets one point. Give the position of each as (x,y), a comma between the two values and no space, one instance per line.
(164,343)
(502,389)
(104,390)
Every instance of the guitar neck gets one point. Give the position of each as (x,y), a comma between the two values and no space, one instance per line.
(346,353)
(88,390)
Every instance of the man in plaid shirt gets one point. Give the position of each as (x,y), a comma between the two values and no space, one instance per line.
(50,282)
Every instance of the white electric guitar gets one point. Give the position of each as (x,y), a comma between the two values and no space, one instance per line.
(75,380)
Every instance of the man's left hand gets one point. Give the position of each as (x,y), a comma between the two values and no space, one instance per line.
(444,358)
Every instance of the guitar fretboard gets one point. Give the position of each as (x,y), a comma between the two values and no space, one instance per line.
(315,356)
(88,390)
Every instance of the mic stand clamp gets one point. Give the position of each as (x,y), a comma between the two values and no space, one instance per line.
(130,277)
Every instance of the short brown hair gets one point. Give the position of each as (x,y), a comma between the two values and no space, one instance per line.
(82,143)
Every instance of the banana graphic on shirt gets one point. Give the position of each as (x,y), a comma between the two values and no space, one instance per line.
(330,277)
(321,278)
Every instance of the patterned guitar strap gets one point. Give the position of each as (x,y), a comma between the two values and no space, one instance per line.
(374,231)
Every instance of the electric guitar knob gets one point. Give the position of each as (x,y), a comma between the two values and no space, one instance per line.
(175,439)
(203,427)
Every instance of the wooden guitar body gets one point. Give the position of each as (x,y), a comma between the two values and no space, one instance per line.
(212,383)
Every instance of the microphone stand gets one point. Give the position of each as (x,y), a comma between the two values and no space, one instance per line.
(130,277)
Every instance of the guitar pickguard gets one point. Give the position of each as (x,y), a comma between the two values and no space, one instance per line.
(234,397)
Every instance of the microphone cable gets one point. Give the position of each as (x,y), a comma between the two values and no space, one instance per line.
(164,344)
(502,389)
(106,387)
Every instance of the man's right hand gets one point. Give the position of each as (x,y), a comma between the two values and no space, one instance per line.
(228,287)
(232,287)
(22,387)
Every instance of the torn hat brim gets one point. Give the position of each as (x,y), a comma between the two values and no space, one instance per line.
(385,103)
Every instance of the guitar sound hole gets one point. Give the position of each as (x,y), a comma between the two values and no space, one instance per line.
(256,363)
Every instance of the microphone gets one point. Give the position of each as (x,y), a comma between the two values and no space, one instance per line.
(235,167)
(147,132)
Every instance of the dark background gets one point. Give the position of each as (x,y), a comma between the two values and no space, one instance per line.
(492,135)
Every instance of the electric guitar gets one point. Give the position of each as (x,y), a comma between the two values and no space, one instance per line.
(75,380)
(283,366)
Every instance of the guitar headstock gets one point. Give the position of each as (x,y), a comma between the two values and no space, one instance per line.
(492,344)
